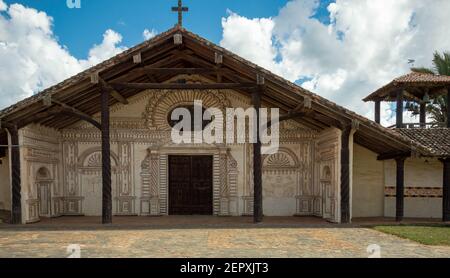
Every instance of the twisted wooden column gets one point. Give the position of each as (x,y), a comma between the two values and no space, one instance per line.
(16,212)
(106,160)
(257,167)
(345,175)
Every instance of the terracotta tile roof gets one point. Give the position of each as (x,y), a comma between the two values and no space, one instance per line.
(413,79)
(417,77)
(436,139)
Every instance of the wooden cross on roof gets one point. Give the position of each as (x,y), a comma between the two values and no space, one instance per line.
(180,9)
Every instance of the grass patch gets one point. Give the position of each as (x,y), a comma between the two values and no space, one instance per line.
(429,234)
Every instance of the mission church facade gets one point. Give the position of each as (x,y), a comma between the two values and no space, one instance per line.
(332,163)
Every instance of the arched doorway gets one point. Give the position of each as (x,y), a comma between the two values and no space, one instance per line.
(44,183)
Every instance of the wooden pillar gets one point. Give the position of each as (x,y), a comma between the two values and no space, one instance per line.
(106,160)
(257,166)
(423,114)
(448,107)
(446,191)
(16,211)
(400,188)
(378,112)
(399,117)
(345,175)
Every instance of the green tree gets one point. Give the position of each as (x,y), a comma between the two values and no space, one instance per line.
(437,109)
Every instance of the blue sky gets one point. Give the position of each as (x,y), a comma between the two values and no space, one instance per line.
(79,29)
(367,45)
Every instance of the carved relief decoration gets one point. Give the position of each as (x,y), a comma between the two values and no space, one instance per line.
(284,160)
(281,174)
(326,202)
(150,176)
(162,102)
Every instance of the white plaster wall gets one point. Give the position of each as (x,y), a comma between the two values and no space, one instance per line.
(416,207)
(419,172)
(368,185)
(5,184)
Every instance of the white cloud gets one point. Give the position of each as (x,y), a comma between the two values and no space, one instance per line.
(108,48)
(149,34)
(251,38)
(367,44)
(31,57)
(3,6)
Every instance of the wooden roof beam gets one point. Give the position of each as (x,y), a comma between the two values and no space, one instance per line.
(153,70)
(181,86)
(48,101)
(96,79)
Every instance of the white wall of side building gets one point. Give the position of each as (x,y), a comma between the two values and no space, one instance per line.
(368,184)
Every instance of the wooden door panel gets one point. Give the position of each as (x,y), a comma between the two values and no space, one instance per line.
(190,185)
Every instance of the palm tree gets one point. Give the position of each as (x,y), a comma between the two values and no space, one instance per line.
(437,109)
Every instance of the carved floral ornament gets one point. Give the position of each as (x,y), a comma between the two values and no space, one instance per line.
(161,102)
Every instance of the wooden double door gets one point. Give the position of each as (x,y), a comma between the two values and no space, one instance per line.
(190,185)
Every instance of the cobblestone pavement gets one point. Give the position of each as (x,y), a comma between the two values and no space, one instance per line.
(181,241)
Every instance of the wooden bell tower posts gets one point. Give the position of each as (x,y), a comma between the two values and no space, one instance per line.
(400,188)
(399,117)
(378,112)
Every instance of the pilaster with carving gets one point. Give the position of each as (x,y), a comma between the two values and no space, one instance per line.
(150,177)
(228,184)
(247,197)
(125,200)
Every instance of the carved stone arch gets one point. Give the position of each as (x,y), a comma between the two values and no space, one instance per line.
(164,101)
(283,159)
(92,158)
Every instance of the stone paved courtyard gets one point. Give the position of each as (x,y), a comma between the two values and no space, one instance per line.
(204,237)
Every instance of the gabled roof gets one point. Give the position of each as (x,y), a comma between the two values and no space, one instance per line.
(80,93)
(415,84)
